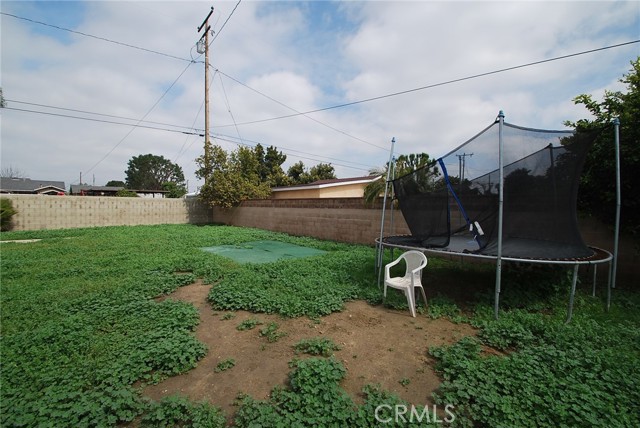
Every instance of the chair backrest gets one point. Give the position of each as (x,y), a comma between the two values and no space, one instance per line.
(414,259)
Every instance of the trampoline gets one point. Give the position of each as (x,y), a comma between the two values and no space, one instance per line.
(508,195)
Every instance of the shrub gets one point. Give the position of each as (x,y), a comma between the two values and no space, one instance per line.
(6,214)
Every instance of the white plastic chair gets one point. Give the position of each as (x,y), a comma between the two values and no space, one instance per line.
(415,261)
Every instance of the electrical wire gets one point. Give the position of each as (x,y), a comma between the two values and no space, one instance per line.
(199,133)
(298,113)
(447,82)
(104,39)
(226,99)
(225,22)
(133,128)
(98,114)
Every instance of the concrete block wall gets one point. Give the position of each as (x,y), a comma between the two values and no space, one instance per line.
(35,212)
(336,219)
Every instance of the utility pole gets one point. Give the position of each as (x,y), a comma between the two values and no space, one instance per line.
(205,39)
(461,164)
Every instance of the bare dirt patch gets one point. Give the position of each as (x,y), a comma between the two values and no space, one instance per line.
(378,346)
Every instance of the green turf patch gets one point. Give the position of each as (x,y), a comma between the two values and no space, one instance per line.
(263,251)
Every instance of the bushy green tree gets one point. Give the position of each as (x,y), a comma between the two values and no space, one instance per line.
(151,172)
(116,183)
(6,214)
(597,193)
(270,165)
(230,178)
(298,174)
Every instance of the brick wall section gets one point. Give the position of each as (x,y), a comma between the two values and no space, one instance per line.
(36,212)
(337,219)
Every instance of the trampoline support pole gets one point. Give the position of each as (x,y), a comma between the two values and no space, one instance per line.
(616,130)
(574,280)
(380,252)
(496,302)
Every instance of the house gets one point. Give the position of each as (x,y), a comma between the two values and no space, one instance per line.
(86,190)
(26,186)
(334,188)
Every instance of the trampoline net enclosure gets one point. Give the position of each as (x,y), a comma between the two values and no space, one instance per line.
(455,199)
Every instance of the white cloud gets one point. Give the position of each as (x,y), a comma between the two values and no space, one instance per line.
(307,56)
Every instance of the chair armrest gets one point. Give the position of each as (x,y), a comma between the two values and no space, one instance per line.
(388,266)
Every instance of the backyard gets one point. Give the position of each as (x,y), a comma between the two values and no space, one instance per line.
(138,326)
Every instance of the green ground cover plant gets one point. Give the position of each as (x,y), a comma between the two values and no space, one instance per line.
(316,346)
(81,325)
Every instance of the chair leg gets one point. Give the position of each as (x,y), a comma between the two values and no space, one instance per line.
(424,296)
(411,301)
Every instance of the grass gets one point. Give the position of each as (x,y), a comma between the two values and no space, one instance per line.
(80,327)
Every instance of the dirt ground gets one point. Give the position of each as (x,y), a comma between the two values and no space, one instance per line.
(378,346)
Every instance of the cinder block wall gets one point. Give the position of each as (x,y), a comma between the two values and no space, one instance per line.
(336,219)
(36,212)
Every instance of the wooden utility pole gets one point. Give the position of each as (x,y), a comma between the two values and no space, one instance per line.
(205,25)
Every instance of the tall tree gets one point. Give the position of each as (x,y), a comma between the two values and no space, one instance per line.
(151,172)
(597,192)
(232,178)
(270,165)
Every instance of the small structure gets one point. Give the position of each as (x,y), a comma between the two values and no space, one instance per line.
(334,188)
(86,190)
(26,186)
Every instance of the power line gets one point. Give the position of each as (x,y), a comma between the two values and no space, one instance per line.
(225,22)
(196,132)
(448,82)
(96,114)
(139,121)
(298,113)
(104,39)
(194,60)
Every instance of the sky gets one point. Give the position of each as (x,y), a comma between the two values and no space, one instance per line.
(323,81)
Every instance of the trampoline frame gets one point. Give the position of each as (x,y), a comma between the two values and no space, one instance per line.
(606,256)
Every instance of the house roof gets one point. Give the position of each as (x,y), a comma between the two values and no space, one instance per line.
(77,188)
(321,184)
(26,185)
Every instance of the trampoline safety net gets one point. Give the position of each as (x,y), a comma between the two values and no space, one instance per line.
(458,194)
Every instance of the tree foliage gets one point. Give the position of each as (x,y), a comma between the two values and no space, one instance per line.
(597,193)
(298,174)
(231,178)
(115,183)
(151,172)
(402,166)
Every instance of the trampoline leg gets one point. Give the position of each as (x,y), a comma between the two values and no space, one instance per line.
(595,271)
(573,293)
(609,288)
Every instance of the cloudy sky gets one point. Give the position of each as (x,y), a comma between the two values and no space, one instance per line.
(127,79)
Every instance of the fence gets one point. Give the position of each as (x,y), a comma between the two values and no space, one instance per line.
(36,212)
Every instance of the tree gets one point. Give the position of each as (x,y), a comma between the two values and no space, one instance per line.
(151,172)
(3,103)
(230,178)
(402,166)
(115,183)
(298,174)
(174,190)
(270,166)
(597,192)
(11,172)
